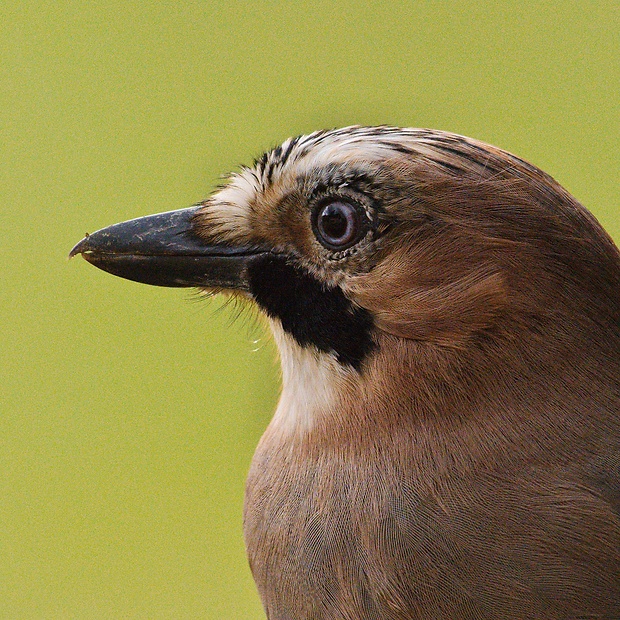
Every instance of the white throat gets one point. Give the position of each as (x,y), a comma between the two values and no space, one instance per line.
(312,384)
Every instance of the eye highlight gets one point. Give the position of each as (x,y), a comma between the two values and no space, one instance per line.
(339,223)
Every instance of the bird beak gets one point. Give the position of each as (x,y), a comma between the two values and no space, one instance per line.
(164,250)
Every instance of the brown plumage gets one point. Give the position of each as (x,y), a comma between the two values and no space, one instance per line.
(448,317)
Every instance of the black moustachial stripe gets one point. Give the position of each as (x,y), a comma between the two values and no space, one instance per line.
(311,312)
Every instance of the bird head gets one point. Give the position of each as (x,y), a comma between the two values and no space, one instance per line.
(374,248)
(448,322)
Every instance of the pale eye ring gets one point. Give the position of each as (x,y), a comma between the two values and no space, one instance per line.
(339,223)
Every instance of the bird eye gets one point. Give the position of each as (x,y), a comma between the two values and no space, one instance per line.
(339,224)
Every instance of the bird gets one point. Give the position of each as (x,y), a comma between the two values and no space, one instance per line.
(447,440)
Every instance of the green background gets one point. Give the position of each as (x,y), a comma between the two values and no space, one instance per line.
(129,414)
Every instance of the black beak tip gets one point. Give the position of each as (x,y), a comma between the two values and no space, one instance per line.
(81,247)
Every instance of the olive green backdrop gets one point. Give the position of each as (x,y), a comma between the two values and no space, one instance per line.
(129,414)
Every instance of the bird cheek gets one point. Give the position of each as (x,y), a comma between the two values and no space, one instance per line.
(445,313)
(280,224)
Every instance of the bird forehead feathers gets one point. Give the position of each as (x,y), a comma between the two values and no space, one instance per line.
(401,168)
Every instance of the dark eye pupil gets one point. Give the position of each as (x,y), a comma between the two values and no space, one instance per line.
(339,225)
(334,221)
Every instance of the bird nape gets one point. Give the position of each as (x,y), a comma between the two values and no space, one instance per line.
(447,440)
